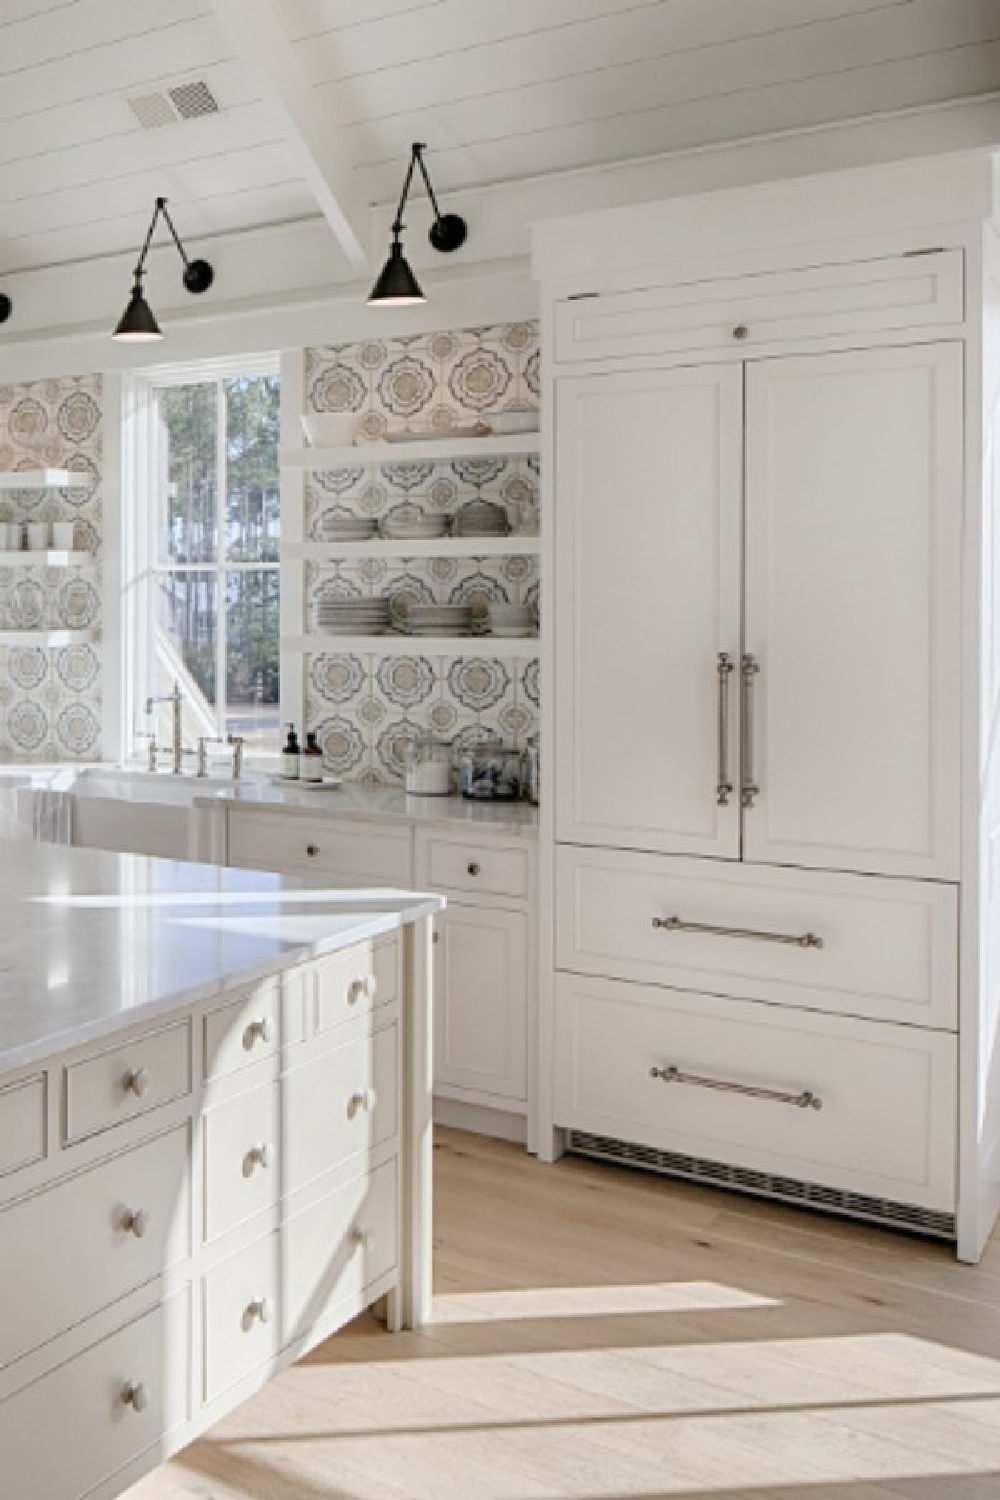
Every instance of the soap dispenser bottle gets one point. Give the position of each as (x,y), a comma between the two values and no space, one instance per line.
(290,756)
(312,760)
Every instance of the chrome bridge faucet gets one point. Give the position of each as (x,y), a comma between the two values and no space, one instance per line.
(177,751)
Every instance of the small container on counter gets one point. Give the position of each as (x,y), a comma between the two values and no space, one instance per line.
(290,756)
(311,763)
(427,770)
(490,772)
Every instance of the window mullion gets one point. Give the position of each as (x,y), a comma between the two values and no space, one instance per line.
(221,548)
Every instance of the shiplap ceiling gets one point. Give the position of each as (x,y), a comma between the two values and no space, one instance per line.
(500,90)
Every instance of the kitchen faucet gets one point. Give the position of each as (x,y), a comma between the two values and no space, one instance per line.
(177,750)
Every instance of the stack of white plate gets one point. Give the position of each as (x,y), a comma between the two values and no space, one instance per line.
(518,419)
(512,619)
(409,523)
(353,616)
(437,619)
(348,528)
(481,518)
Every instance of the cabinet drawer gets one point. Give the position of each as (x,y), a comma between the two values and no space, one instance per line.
(91,1239)
(902,291)
(339,1105)
(244,1031)
(241,1159)
(477,867)
(887,1122)
(889,947)
(64,1434)
(343,987)
(22,1124)
(321,848)
(127,1080)
(241,1321)
(337,1248)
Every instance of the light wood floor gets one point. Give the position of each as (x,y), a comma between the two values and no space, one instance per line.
(601,1335)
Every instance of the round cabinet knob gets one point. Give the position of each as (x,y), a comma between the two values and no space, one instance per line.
(136,1081)
(474,868)
(364,1099)
(312,850)
(361,989)
(135,1395)
(258,1031)
(259,1311)
(740,331)
(363,1239)
(136,1221)
(257,1156)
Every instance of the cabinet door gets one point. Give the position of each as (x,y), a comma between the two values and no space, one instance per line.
(648,503)
(480,1004)
(853,540)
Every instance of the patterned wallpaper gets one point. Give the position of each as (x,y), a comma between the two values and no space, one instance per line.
(50,700)
(366,709)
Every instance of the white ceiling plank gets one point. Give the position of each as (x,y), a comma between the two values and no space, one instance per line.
(316,17)
(709,121)
(58,130)
(674,49)
(122,67)
(462,32)
(85,29)
(256,33)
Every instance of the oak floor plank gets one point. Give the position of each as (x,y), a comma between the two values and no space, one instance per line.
(601,1334)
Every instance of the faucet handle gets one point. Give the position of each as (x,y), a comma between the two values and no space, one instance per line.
(237,741)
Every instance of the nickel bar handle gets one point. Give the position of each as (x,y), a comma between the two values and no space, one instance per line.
(749,789)
(752,934)
(806,1099)
(724,668)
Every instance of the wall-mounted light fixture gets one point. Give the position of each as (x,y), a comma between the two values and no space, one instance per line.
(137,325)
(397,286)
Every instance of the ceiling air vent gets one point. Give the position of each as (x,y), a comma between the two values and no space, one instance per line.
(184,101)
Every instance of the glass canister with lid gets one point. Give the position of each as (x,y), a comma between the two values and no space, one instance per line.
(428,767)
(490,772)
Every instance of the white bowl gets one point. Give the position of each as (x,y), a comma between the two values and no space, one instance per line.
(330,429)
(505,423)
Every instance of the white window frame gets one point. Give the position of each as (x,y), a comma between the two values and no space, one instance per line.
(139,538)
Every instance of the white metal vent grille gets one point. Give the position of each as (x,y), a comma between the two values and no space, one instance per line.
(153,110)
(194,99)
(185,101)
(763,1184)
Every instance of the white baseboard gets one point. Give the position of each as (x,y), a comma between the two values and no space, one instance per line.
(502,1124)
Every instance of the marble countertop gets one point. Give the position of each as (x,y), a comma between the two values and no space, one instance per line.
(92,942)
(380,804)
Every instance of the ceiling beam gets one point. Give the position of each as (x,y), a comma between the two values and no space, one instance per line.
(264,48)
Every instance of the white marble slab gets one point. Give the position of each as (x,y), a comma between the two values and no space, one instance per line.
(91,942)
(381,804)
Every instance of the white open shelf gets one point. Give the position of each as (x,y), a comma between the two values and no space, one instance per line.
(430,451)
(444,546)
(50,638)
(415,645)
(42,479)
(48,559)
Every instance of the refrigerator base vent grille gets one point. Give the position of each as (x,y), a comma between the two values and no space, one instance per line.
(763,1184)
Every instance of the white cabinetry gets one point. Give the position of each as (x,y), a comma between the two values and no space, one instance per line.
(764,579)
(166,1263)
(649,498)
(485,972)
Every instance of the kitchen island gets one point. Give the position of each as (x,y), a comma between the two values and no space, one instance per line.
(214,1146)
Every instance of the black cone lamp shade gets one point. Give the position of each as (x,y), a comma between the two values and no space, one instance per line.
(137,324)
(397,283)
(397,286)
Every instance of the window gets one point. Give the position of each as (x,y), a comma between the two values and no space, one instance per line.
(209,579)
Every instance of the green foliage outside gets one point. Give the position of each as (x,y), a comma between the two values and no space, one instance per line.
(188,525)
